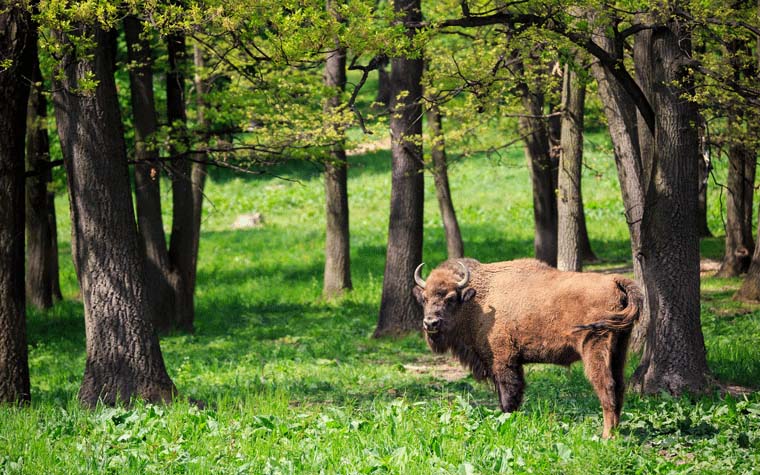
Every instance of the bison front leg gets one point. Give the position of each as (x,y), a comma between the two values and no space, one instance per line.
(510,383)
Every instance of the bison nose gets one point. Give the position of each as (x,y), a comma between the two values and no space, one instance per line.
(432,325)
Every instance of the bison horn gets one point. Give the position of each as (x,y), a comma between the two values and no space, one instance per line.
(418,276)
(462,283)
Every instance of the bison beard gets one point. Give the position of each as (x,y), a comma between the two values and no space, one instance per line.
(496,317)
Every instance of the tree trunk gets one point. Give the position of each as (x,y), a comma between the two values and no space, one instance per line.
(123,354)
(674,358)
(42,285)
(704,166)
(198,173)
(183,243)
(543,176)
(337,276)
(454,244)
(739,242)
(147,175)
(383,97)
(662,222)
(399,312)
(16,36)
(569,202)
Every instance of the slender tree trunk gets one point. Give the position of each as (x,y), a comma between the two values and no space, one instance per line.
(337,276)
(674,357)
(123,355)
(543,176)
(198,173)
(399,312)
(704,166)
(16,37)
(383,97)
(147,175)
(42,285)
(739,242)
(454,244)
(569,202)
(181,245)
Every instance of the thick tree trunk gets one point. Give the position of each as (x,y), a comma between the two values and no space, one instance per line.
(147,175)
(662,223)
(123,354)
(739,241)
(454,244)
(569,202)
(399,312)
(674,357)
(42,284)
(337,276)
(543,176)
(16,39)
(183,242)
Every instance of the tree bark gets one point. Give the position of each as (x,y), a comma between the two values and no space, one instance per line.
(704,166)
(16,38)
(454,244)
(569,202)
(124,359)
(543,176)
(660,197)
(183,241)
(42,284)
(383,97)
(337,276)
(739,242)
(147,175)
(674,357)
(399,313)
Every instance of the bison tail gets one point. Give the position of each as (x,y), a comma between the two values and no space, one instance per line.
(631,301)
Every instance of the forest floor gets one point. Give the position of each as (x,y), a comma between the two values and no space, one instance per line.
(296,384)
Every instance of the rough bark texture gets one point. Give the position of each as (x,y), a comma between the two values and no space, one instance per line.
(123,355)
(398,311)
(183,243)
(16,39)
(42,283)
(454,244)
(739,240)
(674,358)
(569,202)
(337,277)
(662,222)
(147,175)
(543,172)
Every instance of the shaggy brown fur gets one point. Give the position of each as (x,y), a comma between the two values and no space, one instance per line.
(523,311)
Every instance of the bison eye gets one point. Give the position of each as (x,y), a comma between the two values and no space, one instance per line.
(449,299)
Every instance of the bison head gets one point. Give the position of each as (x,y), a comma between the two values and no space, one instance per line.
(441,295)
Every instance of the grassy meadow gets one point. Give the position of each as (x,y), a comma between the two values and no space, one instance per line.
(295,384)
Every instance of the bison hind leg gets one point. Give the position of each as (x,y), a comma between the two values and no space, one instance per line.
(510,384)
(619,351)
(597,363)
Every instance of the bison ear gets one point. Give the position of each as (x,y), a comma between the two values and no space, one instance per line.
(417,292)
(468,294)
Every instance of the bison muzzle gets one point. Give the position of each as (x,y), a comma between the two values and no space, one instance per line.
(496,317)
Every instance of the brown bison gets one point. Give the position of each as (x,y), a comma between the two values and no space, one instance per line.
(496,317)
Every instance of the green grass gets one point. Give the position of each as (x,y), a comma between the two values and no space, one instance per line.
(295,384)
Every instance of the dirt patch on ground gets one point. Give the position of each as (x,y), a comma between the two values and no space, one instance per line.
(440,367)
